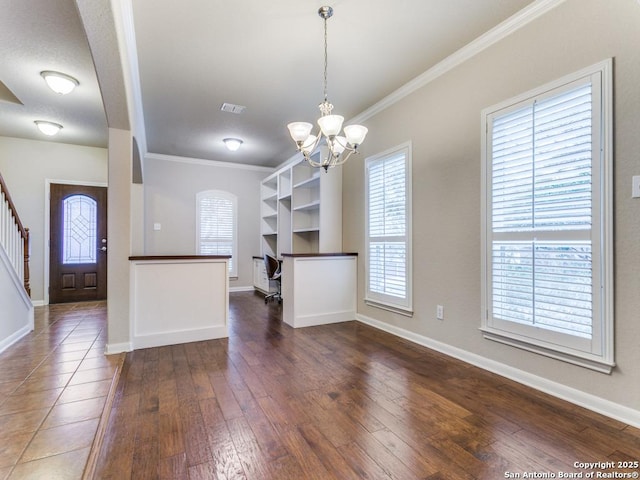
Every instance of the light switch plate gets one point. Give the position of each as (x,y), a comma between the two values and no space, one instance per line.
(635,186)
(157,226)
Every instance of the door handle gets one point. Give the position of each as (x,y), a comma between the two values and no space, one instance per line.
(104,249)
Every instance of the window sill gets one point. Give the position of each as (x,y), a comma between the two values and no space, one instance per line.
(599,365)
(390,308)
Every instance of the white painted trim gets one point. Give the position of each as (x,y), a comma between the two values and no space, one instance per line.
(484,41)
(125,32)
(312,320)
(47,227)
(15,337)
(206,163)
(113,348)
(592,402)
(38,303)
(179,336)
(249,288)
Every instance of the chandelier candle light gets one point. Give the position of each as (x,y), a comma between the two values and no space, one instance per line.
(339,147)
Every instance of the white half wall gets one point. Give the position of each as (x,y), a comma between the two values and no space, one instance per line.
(177,301)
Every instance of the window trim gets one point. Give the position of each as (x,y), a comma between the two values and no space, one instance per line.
(383,301)
(233,272)
(602,204)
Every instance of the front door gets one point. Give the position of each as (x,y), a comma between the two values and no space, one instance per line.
(78,243)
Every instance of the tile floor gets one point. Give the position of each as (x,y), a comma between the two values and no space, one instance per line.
(53,388)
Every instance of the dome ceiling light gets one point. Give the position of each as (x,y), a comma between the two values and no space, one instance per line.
(59,82)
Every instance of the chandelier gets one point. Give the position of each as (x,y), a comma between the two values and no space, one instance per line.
(339,147)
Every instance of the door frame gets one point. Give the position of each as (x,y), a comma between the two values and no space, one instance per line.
(47,226)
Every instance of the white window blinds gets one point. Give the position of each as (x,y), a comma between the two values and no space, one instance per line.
(547,232)
(542,164)
(216,215)
(541,184)
(388,246)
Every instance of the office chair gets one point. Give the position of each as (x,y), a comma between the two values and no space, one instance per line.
(273,272)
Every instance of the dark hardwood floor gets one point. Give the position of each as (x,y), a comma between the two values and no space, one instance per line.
(343,401)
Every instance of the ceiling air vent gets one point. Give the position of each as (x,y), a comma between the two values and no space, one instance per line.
(231,108)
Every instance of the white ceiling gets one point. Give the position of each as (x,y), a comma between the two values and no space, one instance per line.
(193,55)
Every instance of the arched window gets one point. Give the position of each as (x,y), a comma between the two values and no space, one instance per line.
(216,224)
(80,220)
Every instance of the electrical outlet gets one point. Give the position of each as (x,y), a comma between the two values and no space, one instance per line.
(635,186)
(440,312)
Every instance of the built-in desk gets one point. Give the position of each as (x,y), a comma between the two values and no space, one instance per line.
(178,299)
(319,288)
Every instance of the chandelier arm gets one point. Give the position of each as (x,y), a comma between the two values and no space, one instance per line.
(343,158)
(330,160)
(347,146)
(308,151)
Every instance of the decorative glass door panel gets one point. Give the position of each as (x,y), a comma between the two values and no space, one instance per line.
(79,230)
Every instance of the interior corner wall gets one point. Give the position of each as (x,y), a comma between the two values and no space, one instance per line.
(25,165)
(170,189)
(442,119)
(119,220)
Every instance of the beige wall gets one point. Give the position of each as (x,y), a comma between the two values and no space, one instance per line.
(25,165)
(121,216)
(170,199)
(442,120)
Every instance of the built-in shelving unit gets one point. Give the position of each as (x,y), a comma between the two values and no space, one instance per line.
(301,210)
(269,214)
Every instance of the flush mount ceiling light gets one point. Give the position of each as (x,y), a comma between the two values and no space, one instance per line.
(340,147)
(48,128)
(59,82)
(232,144)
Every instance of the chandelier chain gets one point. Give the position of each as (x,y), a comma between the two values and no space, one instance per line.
(326,63)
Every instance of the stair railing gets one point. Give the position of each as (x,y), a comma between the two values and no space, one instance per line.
(14,238)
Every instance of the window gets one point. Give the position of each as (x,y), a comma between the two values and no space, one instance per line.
(216,220)
(388,230)
(547,220)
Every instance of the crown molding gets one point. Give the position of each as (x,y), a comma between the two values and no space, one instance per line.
(125,32)
(204,162)
(484,41)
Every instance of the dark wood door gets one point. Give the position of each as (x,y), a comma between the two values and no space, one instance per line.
(78,243)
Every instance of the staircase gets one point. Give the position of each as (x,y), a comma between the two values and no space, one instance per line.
(16,309)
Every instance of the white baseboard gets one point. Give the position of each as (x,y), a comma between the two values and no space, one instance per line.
(38,303)
(592,402)
(179,336)
(16,336)
(302,321)
(114,348)
(241,289)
